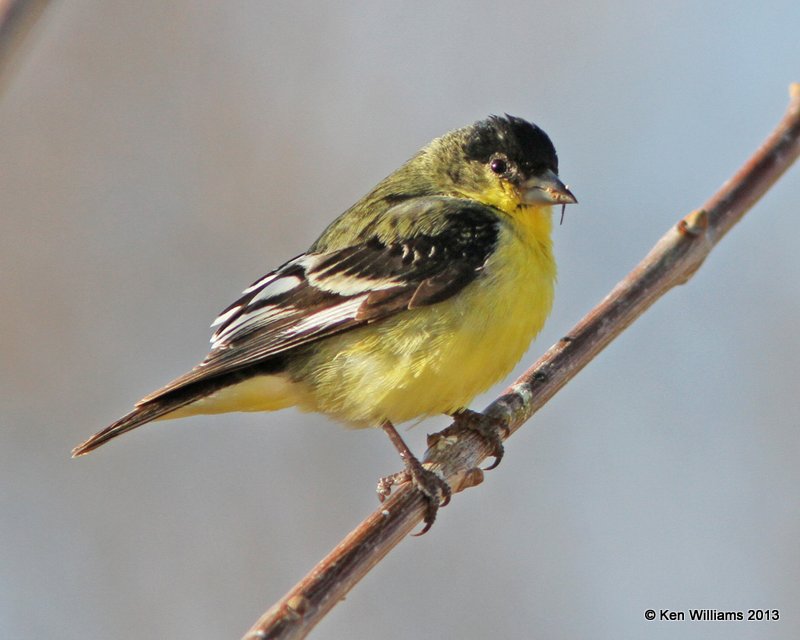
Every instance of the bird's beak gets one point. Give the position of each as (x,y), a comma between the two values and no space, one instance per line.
(545,189)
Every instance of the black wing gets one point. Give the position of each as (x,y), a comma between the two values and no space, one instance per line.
(317,295)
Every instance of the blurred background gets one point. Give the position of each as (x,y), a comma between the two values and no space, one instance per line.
(157,157)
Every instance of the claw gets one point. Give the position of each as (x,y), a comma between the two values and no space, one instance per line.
(385,484)
(487,427)
(436,491)
(436,497)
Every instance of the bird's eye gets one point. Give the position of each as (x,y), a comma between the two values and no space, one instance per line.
(498,166)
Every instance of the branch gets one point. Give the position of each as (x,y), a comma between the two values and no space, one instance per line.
(16,19)
(456,455)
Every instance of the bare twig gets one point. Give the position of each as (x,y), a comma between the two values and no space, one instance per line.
(16,19)
(672,261)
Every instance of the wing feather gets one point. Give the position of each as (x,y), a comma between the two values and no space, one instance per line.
(316,295)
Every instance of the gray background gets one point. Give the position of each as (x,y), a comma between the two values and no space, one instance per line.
(157,157)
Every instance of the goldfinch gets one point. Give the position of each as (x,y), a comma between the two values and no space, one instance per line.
(423,294)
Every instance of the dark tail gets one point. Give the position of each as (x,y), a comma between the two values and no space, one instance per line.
(180,392)
(142,414)
(175,395)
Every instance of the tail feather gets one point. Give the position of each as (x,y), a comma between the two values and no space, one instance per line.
(142,414)
(169,399)
(185,391)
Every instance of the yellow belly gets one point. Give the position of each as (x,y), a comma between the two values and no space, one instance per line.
(259,393)
(421,362)
(435,359)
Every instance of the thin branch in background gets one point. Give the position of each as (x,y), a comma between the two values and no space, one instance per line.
(17,18)
(672,261)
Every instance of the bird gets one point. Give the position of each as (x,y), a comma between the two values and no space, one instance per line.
(423,294)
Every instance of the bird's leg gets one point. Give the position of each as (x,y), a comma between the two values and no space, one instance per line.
(436,491)
(487,427)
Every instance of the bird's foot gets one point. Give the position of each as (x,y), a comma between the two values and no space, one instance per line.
(491,429)
(436,491)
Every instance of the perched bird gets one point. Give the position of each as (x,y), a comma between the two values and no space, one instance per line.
(423,294)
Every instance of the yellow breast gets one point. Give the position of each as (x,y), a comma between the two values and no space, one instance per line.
(436,359)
